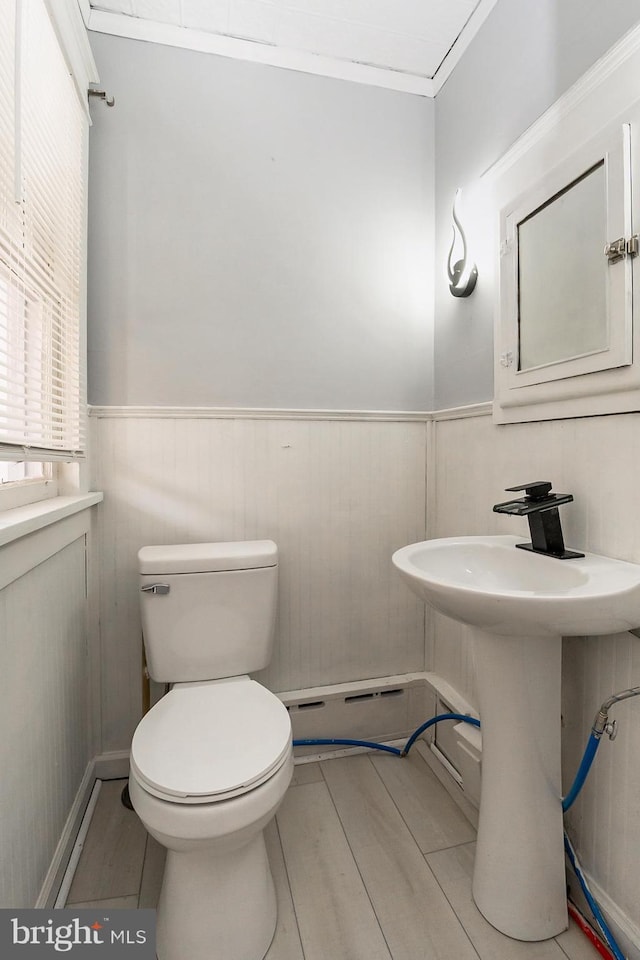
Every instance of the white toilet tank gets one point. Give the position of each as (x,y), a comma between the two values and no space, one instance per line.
(208,609)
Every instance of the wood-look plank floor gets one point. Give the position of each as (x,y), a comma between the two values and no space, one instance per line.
(371,858)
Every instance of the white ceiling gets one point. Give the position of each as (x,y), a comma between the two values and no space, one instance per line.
(403,44)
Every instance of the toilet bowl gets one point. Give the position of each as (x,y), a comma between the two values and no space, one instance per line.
(210,765)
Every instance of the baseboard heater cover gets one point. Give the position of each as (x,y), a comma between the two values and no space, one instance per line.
(389,709)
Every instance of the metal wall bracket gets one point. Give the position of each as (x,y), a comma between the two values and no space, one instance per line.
(102,95)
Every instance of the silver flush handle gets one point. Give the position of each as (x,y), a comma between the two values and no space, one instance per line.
(161,589)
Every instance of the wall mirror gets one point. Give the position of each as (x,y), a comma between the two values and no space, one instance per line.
(565,340)
(566,275)
(560,249)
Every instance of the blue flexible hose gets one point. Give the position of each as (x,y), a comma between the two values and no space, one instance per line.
(382,746)
(593,906)
(585,765)
(425,726)
(348,743)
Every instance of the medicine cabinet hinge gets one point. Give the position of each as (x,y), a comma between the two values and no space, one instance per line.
(621,248)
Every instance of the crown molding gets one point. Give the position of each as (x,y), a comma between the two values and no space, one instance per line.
(85,10)
(463,40)
(135,28)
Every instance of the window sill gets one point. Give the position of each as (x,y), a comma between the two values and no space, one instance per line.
(22,521)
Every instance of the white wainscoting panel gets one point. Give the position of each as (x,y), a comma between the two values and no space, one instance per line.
(605,820)
(596,459)
(337,496)
(44,748)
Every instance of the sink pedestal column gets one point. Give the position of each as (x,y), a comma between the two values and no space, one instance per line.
(519,876)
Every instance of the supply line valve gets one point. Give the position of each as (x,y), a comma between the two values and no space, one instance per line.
(602,724)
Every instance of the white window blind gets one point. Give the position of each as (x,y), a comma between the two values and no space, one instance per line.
(42,197)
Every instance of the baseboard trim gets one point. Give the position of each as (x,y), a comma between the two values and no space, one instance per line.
(336,754)
(451,785)
(627,934)
(70,872)
(351,687)
(59,863)
(112,766)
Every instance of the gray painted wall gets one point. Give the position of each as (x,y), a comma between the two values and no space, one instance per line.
(260,237)
(524,57)
(257,237)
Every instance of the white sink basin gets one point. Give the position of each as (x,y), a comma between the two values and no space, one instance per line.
(519,605)
(486,582)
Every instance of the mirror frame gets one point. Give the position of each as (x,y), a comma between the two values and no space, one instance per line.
(613,149)
(598,118)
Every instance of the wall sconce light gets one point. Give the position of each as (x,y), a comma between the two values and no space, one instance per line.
(463,274)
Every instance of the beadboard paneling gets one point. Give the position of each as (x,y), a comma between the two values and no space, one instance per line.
(338,497)
(605,820)
(597,460)
(44,747)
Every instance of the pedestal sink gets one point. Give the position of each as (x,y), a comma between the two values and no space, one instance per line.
(520,605)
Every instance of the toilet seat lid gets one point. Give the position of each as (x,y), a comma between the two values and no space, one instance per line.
(211,740)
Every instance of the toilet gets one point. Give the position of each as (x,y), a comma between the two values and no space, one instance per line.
(212,760)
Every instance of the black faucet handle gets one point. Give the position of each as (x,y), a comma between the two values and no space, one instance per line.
(537,490)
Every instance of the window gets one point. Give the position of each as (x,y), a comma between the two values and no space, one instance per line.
(12,472)
(43,136)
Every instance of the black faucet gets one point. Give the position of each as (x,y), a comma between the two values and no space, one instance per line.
(540,507)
